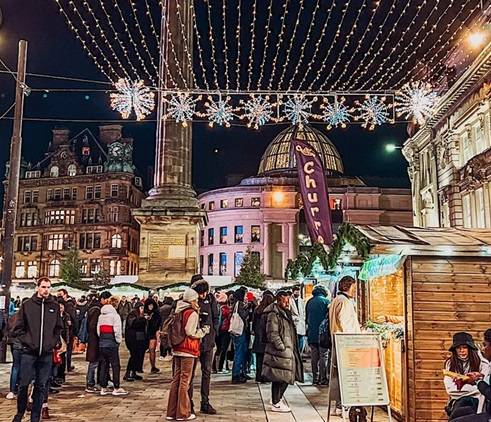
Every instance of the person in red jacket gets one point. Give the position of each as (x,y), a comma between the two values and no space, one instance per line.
(223,338)
(185,353)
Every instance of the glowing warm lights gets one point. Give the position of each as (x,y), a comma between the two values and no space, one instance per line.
(476,39)
(278,198)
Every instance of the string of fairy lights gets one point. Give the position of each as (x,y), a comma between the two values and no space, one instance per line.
(335,62)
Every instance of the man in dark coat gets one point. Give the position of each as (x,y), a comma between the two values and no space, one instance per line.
(38,328)
(315,312)
(70,309)
(209,315)
(282,362)
(92,352)
(241,342)
(165,310)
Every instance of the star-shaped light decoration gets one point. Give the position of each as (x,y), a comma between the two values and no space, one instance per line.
(416,100)
(257,111)
(335,114)
(373,112)
(219,112)
(132,95)
(297,109)
(181,107)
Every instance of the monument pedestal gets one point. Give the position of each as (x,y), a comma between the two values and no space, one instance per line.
(168,243)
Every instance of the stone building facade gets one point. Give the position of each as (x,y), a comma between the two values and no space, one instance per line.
(265,213)
(450,157)
(80,195)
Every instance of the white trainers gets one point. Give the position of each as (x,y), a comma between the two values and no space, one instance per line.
(105,392)
(168,358)
(191,417)
(119,392)
(10,396)
(110,384)
(280,407)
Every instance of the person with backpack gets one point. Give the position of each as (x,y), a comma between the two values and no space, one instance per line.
(165,310)
(185,335)
(136,341)
(223,338)
(316,312)
(239,326)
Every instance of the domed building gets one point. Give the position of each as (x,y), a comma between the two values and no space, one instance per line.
(265,213)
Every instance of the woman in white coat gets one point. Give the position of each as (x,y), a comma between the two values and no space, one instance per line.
(297,308)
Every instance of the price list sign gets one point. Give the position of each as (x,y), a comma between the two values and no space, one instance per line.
(362,378)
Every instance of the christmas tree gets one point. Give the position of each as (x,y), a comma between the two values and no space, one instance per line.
(71,270)
(250,271)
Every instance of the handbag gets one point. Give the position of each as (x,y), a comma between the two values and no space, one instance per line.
(236,322)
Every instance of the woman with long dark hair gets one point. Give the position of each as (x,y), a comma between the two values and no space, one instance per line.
(152,313)
(465,358)
(136,341)
(259,329)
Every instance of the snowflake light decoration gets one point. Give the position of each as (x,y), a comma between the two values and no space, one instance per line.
(132,95)
(335,114)
(416,100)
(181,107)
(219,112)
(297,109)
(257,111)
(373,112)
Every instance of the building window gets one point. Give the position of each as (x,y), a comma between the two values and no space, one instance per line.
(210,264)
(97,192)
(224,203)
(29,218)
(90,240)
(54,268)
(20,270)
(93,169)
(27,243)
(255,202)
(211,205)
(84,266)
(480,145)
(67,194)
(89,192)
(201,263)
(32,269)
(211,236)
(116,241)
(239,202)
(480,209)
(57,194)
(202,238)
(337,204)
(53,217)
(238,258)
(72,170)
(467,150)
(59,241)
(33,174)
(114,191)
(91,215)
(467,211)
(54,171)
(223,263)
(223,235)
(114,214)
(138,181)
(49,195)
(114,267)
(239,234)
(255,233)
(27,197)
(95,266)
(74,193)
(35,196)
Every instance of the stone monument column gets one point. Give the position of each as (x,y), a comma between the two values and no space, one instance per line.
(170,217)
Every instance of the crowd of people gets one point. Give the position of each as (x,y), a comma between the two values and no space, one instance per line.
(261,335)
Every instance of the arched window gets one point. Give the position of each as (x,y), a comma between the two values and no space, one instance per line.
(54,268)
(116,241)
(54,172)
(72,170)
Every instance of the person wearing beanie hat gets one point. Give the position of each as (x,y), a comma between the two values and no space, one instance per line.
(465,359)
(185,354)
(209,316)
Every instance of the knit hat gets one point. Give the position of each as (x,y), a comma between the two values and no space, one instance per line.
(250,297)
(190,295)
(462,339)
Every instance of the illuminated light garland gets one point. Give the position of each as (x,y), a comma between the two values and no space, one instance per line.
(335,114)
(218,112)
(132,96)
(297,109)
(280,42)
(225,45)
(373,112)
(318,45)
(237,35)
(181,107)
(257,111)
(198,47)
(381,80)
(213,51)
(253,39)
(259,83)
(416,100)
(186,44)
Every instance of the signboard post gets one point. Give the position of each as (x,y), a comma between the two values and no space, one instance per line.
(361,371)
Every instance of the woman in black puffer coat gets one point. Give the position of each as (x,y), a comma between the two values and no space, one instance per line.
(136,340)
(152,313)
(259,329)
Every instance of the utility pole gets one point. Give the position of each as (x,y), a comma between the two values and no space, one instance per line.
(11,204)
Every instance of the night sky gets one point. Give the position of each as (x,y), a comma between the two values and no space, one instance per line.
(53,49)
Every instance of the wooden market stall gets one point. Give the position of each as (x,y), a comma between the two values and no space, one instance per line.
(431,283)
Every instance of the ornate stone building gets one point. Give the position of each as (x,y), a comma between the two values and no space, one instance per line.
(80,195)
(450,157)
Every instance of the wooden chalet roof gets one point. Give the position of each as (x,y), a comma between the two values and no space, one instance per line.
(427,241)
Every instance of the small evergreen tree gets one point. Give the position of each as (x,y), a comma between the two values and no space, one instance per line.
(102,278)
(71,269)
(250,271)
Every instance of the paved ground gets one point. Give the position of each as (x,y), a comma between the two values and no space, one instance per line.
(148,399)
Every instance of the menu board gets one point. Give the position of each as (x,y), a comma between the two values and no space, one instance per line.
(362,379)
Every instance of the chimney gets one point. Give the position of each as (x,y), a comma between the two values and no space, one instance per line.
(109,133)
(60,136)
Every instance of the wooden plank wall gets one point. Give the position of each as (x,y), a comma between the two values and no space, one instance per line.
(445,296)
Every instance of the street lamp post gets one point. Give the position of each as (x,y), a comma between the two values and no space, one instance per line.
(12,193)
